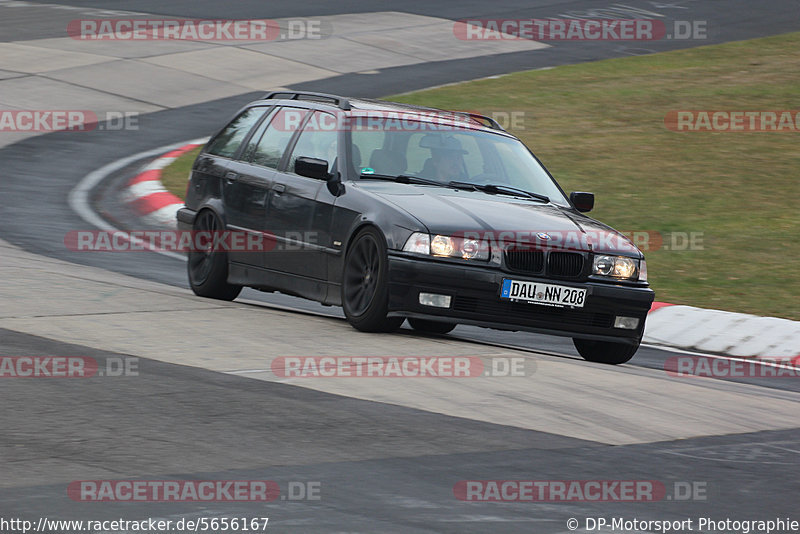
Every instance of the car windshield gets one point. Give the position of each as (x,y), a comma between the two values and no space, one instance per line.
(445,154)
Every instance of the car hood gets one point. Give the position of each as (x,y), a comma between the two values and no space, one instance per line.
(502,218)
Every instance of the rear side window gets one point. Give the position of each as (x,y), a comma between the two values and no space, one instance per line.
(273,143)
(227,142)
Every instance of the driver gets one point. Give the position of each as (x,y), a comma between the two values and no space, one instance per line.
(446,158)
(448,164)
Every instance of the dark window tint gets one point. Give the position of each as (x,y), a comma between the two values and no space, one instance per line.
(252,143)
(272,145)
(317,140)
(227,142)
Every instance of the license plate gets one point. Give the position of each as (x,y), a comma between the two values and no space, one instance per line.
(546,294)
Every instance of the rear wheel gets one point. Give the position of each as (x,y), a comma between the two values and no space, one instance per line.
(605,351)
(208,269)
(431,327)
(365,287)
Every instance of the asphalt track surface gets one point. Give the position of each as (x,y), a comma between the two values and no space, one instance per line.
(383,468)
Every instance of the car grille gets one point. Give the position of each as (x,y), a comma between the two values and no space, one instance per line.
(529,261)
(565,263)
(532,261)
(523,313)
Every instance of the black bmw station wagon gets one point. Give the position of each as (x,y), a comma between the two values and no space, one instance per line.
(398,212)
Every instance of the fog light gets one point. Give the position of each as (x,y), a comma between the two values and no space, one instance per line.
(435,300)
(628,323)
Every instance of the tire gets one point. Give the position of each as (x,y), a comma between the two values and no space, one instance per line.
(431,327)
(365,287)
(605,351)
(208,270)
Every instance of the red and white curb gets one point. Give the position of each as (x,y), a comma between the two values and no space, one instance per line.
(147,195)
(684,327)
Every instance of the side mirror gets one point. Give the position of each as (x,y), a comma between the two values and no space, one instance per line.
(583,202)
(311,168)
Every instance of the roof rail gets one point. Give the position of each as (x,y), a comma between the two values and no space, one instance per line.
(341,102)
(487,121)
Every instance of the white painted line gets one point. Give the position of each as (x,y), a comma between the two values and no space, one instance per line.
(78,198)
(247,371)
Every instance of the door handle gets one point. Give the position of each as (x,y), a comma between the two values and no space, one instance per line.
(231,177)
(279,188)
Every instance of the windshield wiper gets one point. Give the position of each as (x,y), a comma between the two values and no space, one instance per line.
(405,179)
(501,189)
(487,188)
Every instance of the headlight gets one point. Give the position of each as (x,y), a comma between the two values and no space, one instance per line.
(617,267)
(442,246)
(447,247)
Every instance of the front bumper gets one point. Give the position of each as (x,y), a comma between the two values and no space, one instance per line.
(475,292)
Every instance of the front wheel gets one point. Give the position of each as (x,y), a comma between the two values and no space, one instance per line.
(605,351)
(365,287)
(431,327)
(208,269)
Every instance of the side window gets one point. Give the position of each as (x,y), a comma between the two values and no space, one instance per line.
(227,142)
(270,148)
(319,139)
(249,150)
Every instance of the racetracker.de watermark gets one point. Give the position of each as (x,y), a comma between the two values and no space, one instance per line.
(738,121)
(597,240)
(182,241)
(719,367)
(568,29)
(66,366)
(73,120)
(579,490)
(192,491)
(141,29)
(400,367)
(289,120)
